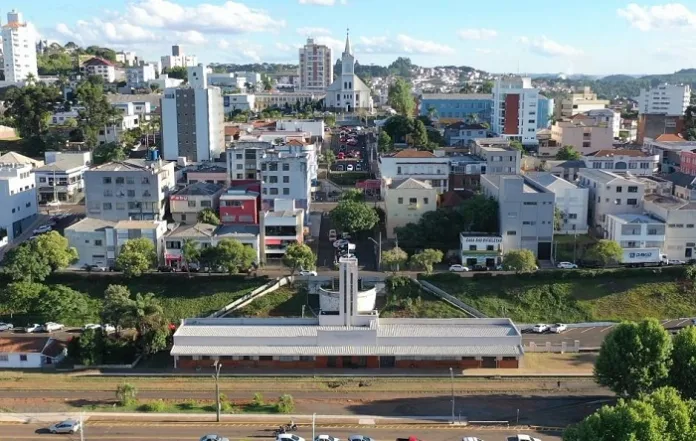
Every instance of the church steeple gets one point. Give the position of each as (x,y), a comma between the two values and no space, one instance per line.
(347,50)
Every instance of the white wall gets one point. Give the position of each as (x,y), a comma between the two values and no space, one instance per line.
(170,135)
(33,361)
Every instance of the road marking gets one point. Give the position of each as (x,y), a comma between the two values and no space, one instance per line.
(682,322)
(569,330)
(608,327)
(588,329)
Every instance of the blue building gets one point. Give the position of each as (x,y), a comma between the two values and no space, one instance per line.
(545,111)
(452,107)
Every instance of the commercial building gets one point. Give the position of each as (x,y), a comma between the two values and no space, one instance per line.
(580,103)
(99,242)
(655,126)
(240,205)
(679,216)
(463,133)
(210,173)
(18,199)
(100,67)
(526,212)
(178,59)
(136,189)
(279,228)
(515,107)
(61,180)
(418,164)
(348,93)
(193,120)
(347,315)
(669,149)
(264,100)
(585,135)
(665,99)
(571,200)
(316,66)
(610,118)
(185,204)
(635,232)
(636,162)
(18,49)
(405,201)
(453,107)
(481,249)
(30,352)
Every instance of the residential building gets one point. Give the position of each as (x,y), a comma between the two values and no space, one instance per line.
(193,120)
(567,170)
(405,201)
(210,173)
(135,189)
(18,198)
(238,101)
(141,75)
(665,99)
(127,57)
(481,249)
(654,126)
(687,162)
(465,172)
(571,200)
(164,82)
(178,59)
(240,205)
(16,158)
(279,228)
(683,185)
(30,352)
(544,112)
(679,216)
(18,49)
(610,118)
(316,66)
(62,117)
(580,103)
(61,180)
(585,135)
(185,204)
(99,242)
(454,107)
(348,93)
(526,213)
(636,162)
(273,99)
(515,108)
(247,235)
(669,149)
(347,315)
(418,164)
(100,67)
(636,232)
(463,133)
(227,81)
(315,128)
(500,158)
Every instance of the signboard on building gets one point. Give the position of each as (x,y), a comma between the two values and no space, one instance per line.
(178,198)
(482,239)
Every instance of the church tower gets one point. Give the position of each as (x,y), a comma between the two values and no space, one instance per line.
(348,77)
(347,59)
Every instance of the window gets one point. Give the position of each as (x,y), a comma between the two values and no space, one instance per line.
(120,180)
(106,206)
(617,202)
(398,170)
(530,203)
(286,191)
(131,193)
(400,201)
(240,176)
(619,189)
(274,191)
(286,167)
(425,201)
(192,204)
(472,247)
(106,180)
(286,179)
(633,189)
(146,193)
(145,180)
(632,202)
(130,181)
(273,179)
(490,248)
(108,193)
(240,166)
(512,233)
(206,204)
(4,357)
(239,156)
(263,167)
(22,357)
(97,242)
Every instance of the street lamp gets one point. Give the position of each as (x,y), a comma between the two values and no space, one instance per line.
(379,251)
(452,380)
(217,366)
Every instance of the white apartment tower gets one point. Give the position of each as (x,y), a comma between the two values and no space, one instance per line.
(665,99)
(515,109)
(19,49)
(192,119)
(178,59)
(316,66)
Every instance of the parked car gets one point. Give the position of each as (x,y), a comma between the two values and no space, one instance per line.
(676,262)
(106,328)
(213,438)
(67,426)
(540,327)
(349,167)
(360,438)
(358,167)
(332,235)
(458,268)
(42,229)
(288,437)
(165,269)
(471,438)
(566,265)
(50,327)
(6,326)
(479,267)
(326,438)
(32,327)
(558,328)
(522,438)
(341,155)
(339,167)
(98,268)
(308,273)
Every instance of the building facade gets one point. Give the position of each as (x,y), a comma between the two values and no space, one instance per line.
(418,164)
(316,66)
(238,101)
(19,200)
(453,107)
(100,67)
(679,216)
(463,134)
(636,231)
(665,99)
(348,93)
(185,204)
(515,109)
(280,228)
(405,201)
(178,59)
(687,162)
(61,181)
(585,136)
(610,118)
(481,249)
(265,100)
(544,112)
(19,50)
(636,162)
(500,158)
(571,200)
(580,103)
(669,149)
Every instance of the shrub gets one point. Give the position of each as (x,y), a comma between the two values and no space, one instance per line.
(258,400)
(285,404)
(126,394)
(154,406)
(227,407)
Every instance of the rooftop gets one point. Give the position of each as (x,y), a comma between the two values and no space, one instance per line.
(669,137)
(208,168)
(199,189)
(549,181)
(137,224)
(409,184)
(62,165)
(130,165)
(96,61)
(636,218)
(16,158)
(605,176)
(282,213)
(457,96)
(612,153)
(410,153)
(670,202)
(23,344)
(193,230)
(90,224)
(681,179)
(237,231)
(462,125)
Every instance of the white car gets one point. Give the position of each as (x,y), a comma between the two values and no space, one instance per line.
(458,268)
(540,327)
(213,438)
(566,265)
(6,326)
(349,167)
(471,438)
(332,235)
(676,262)
(522,438)
(289,437)
(107,328)
(50,327)
(308,273)
(326,438)
(32,327)
(67,426)
(558,328)
(43,229)
(360,438)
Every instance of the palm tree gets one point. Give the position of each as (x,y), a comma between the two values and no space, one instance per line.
(30,79)
(189,253)
(432,112)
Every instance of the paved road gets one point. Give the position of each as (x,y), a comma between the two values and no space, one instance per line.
(116,431)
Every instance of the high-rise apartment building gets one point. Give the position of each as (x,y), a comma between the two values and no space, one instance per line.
(193,119)
(19,49)
(178,59)
(515,109)
(665,99)
(316,66)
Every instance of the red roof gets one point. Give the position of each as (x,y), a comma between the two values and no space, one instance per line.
(96,61)
(413,153)
(231,131)
(669,137)
(450,199)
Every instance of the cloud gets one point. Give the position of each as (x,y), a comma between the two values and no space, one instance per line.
(425,47)
(667,16)
(320,2)
(485,51)
(477,34)
(223,44)
(97,31)
(400,44)
(309,31)
(190,37)
(547,47)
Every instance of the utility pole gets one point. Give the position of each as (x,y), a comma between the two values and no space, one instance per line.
(82,426)
(314,419)
(452,379)
(397,245)
(217,365)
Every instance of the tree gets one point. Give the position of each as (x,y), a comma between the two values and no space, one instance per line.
(353,216)
(330,157)
(487,87)
(394,258)
(519,261)
(568,153)
(634,358)
(353,194)
(30,108)
(397,127)
(136,257)
(299,255)
(426,259)
(267,82)
(126,394)
(190,253)
(683,372)
(515,144)
(234,256)
(689,130)
(384,142)
(208,216)
(400,98)
(154,87)
(148,318)
(90,348)
(557,219)
(56,250)
(330,120)
(605,252)
(98,113)
(117,307)
(178,72)
(419,136)
(19,297)
(59,303)
(25,263)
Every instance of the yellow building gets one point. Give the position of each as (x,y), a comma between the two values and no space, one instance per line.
(406,200)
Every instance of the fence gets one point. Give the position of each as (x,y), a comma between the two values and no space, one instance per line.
(549,347)
(450,299)
(110,366)
(255,294)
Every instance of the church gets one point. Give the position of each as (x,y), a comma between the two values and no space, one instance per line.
(348,93)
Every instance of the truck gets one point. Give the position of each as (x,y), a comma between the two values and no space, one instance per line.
(644,257)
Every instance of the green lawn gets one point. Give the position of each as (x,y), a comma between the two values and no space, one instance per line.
(570,248)
(181,296)
(408,301)
(604,297)
(287,301)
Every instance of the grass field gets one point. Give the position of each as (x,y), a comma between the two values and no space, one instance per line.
(408,301)
(604,297)
(285,302)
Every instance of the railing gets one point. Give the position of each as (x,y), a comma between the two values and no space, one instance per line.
(450,299)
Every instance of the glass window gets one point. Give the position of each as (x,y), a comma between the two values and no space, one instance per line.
(400,200)
(120,180)
(286,167)
(106,206)
(192,204)
(106,180)
(286,179)
(274,191)
(286,191)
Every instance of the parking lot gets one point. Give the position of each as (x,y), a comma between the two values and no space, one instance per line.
(351,152)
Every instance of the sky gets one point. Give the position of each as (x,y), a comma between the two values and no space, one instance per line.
(598,37)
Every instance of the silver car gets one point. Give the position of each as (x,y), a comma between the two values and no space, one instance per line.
(67,426)
(212,437)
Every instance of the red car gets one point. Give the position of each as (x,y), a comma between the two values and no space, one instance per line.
(341,155)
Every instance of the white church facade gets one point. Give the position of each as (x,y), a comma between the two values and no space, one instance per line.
(348,93)
(347,333)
